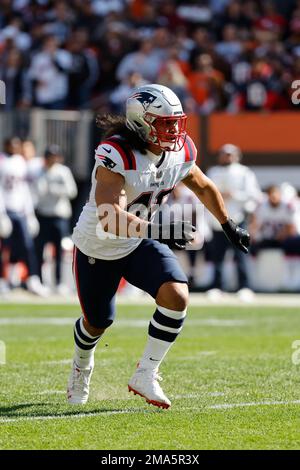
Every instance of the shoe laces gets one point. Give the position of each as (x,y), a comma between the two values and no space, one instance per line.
(154,377)
(80,378)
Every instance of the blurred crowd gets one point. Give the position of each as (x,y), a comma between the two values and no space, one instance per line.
(35,213)
(272,217)
(215,54)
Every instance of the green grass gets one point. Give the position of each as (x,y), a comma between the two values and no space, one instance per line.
(223,356)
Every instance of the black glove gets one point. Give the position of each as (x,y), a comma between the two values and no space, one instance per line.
(238,236)
(176,235)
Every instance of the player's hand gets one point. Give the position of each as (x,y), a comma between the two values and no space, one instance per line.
(176,234)
(238,236)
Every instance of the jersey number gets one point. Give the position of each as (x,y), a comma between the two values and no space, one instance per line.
(145,200)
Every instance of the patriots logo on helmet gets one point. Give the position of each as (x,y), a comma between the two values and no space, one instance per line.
(146,99)
(107,162)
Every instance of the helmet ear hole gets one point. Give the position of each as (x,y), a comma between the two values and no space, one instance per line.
(138,124)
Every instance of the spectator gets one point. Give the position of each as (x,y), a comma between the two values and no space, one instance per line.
(5,231)
(19,208)
(55,188)
(120,94)
(112,51)
(174,73)
(241,194)
(48,73)
(218,6)
(35,166)
(60,21)
(233,15)
(271,20)
(293,42)
(144,61)
(202,44)
(193,12)
(13,31)
(161,43)
(185,43)
(205,84)
(262,91)
(235,34)
(103,7)
(230,48)
(83,73)
(145,19)
(13,75)
(168,14)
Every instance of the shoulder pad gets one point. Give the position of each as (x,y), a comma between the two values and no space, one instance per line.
(117,145)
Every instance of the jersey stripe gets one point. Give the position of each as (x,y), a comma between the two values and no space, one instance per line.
(190,150)
(127,152)
(75,272)
(119,149)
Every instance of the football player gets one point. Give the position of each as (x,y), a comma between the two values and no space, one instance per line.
(142,158)
(18,204)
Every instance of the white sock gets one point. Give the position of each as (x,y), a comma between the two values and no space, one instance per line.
(85,345)
(164,328)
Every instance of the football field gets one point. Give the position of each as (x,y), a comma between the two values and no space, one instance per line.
(230,377)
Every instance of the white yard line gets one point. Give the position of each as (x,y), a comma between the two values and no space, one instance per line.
(49,392)
(229,406)
(221,406)
(59,321)
(272,300)
(56,363)
(199,395)
(196,356)
(134,323)
(71,416)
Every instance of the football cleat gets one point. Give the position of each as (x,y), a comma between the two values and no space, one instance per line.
(79,384)
(144,383)
(246,295)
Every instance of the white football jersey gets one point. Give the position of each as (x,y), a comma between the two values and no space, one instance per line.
(271,220)
(241,182)
(15,188)
(149,179)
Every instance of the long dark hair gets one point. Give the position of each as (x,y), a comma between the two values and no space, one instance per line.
(111,124)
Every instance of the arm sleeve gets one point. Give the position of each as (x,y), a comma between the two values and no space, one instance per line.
(71,187)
